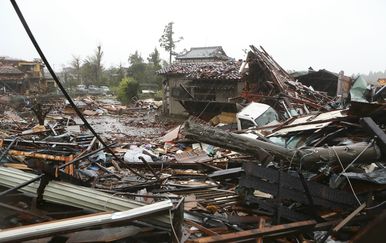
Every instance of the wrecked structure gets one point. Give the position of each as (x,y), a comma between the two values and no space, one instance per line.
(331,83)
(267,82)
(316,175)
(20,76)
(201,83)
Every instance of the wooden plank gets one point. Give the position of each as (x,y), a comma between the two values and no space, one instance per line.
(282,229)
(348,218)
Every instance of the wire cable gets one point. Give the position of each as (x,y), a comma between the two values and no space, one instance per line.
(349,182)
(78,112)
(356,158)
(376,206)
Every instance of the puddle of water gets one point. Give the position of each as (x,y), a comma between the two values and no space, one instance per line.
(132,126)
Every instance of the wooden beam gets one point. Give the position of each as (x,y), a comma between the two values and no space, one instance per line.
(253,233)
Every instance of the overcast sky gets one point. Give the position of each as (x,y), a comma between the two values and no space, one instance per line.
(336,35)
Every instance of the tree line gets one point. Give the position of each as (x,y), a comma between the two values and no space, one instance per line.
(125,81)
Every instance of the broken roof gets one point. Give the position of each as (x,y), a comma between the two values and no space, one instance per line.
(267,79)
(206,70)
(9,70)
(298,74)
(210,52)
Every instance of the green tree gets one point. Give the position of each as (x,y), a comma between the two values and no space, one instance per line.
(92,69)
(87,72)
(154,64)
(135,58)
(127,89)
(115,75)
(154,59)
(76,69)
(145,73)
(167,40)
(98,64)
(137,67)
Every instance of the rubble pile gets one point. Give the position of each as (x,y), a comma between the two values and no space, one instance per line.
(267,82)
(307,170)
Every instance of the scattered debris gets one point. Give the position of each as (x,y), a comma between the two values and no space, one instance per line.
(298,166)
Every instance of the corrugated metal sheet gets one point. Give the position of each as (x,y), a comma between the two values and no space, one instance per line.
(72,195)
(76,223)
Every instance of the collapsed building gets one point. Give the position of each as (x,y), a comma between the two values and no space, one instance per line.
(267,82)
(20,76)
(315,174)
(201,83)
(333,84)
(318,175)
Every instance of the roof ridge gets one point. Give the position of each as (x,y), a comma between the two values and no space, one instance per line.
(205,47)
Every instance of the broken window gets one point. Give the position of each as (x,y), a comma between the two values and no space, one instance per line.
(268,116)
(246,123)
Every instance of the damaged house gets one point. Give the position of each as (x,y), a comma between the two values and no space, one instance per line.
(323,80)
(11,78)
(267,82)
(20,76)
(202,80)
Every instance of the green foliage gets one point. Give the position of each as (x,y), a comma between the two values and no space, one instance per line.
(87,73)
(145,73)
(92,70)
(159,95)
(127,89)
(135,58)
(76,66)
(168,42)
(154,59)
(115,75)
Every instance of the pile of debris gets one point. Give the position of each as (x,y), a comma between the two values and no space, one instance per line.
(302,172)
(267,82)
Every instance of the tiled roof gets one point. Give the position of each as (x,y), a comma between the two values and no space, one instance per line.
(206,70)
(204,53)
(9,70)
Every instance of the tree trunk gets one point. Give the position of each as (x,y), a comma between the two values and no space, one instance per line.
(309,158)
